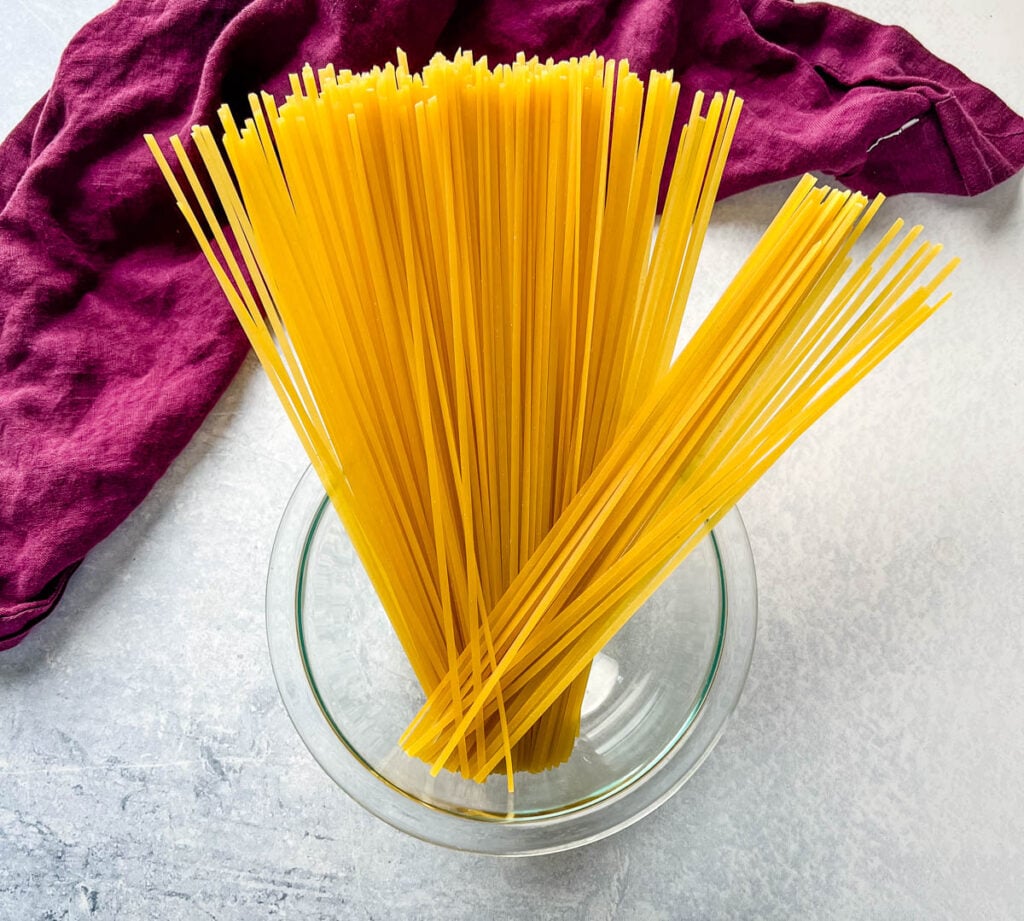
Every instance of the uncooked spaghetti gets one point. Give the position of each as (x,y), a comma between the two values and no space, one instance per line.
(450,280)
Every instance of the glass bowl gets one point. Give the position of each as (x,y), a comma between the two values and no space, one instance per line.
(656,703)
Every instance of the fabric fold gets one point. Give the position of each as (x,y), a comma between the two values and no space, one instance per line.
(935,130)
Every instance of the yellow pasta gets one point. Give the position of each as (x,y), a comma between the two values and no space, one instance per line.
(449,279)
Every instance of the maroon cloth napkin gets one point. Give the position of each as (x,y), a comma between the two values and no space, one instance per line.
(114,340)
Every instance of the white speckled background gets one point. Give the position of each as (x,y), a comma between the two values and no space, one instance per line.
(873,770)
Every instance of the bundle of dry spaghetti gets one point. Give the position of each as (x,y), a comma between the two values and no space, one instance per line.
(450,280)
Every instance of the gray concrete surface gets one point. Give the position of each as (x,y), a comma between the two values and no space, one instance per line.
(873,770)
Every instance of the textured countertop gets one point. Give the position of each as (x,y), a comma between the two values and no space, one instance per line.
(872,770)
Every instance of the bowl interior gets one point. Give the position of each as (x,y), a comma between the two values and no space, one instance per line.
(645,688)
